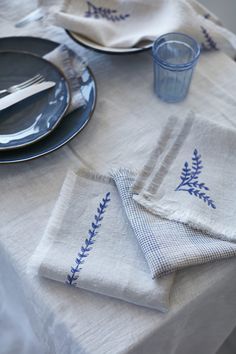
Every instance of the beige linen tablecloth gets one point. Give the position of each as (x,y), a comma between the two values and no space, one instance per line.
(125,126)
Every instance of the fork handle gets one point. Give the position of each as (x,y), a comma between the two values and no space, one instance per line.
(3,91)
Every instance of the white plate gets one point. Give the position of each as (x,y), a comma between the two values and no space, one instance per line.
(89,44)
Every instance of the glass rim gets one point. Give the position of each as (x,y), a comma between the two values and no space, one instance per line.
(176,66)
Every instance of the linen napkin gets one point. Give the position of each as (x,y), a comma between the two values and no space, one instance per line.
(89,244)
(168,246)
(124,24)
(72,66)
(189,176)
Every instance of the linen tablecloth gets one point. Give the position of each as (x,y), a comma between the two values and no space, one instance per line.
(203,302)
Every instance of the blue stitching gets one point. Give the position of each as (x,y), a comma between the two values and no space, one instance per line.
(207,16)
(102,12)
(189,178)
(210,43)
(89,241)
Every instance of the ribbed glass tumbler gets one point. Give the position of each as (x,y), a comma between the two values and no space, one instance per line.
(174,56)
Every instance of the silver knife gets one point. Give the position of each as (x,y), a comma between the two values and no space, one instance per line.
(35,15)
(20,95)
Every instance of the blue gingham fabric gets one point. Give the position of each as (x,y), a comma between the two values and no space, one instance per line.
(167,245)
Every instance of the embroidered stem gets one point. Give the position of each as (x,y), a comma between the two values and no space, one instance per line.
(189,178)
(89,241)
(102,12)
(210,43)
(189,175)
(207,16)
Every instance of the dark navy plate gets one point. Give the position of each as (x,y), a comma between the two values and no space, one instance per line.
(35,117)
(71,124)
(146,45)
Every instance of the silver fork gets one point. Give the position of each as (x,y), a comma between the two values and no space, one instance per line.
(33,80)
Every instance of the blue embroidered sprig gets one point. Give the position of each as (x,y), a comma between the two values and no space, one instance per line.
(190,183)
(102,12)
(207,16)
(89,241)
(210,43)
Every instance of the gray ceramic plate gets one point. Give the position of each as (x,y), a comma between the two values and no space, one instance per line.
(71,124)
(35,117)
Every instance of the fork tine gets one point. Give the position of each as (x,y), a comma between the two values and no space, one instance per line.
(29,81)
(38,81)
(33,80)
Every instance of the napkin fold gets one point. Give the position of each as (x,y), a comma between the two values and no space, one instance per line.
(89,244)
(72,66)
(167,245)
(124,24)
(189,176)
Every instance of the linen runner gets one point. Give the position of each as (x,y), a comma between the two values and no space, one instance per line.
(89,244)
(82,320)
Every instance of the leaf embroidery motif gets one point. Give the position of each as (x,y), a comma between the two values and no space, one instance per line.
(190,183)
(89,241)
(209,41)
(103,12)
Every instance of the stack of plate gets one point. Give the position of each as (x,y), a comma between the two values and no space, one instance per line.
(39,124)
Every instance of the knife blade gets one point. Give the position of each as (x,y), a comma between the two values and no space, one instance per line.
(35,15)
(20,95)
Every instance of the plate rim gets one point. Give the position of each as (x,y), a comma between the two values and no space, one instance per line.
(113,51)
(52,149)
(55,67)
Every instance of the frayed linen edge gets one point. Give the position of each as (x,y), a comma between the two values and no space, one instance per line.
(189,220)
(54,224)
(94,176)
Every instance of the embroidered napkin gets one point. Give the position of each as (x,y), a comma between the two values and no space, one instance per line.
(189,177)
(89,244)
(167,245)
(72,66)
(124,24)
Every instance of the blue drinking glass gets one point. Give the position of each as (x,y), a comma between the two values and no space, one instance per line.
(174,56)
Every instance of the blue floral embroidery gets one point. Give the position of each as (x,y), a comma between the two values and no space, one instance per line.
(102,12)
(89,241)
(209,41)
(207,16)
(190,183)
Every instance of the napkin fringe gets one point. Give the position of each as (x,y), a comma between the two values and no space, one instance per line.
(94,176)
(183,217)
(73,67)
(68,57)
(122,172)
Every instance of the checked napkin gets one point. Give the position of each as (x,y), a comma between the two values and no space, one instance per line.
(167,245)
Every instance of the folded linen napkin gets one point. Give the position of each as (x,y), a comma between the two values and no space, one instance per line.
(124,24)
(89,244)
(72,66)
(167,245)
(189,176)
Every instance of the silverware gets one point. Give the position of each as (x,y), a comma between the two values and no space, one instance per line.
(24,93)
(36,15)
(33,80)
